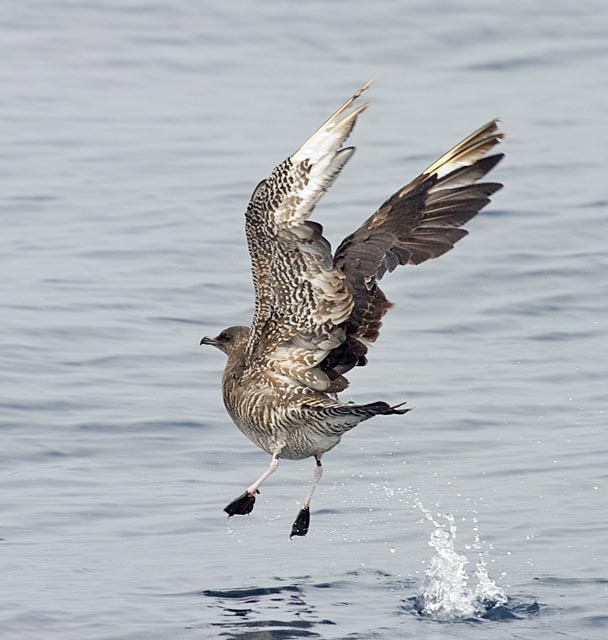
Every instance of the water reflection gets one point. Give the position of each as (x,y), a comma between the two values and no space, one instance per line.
(262,613)
(292,610)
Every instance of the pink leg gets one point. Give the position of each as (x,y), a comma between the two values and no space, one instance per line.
(244,503)
(318,474)
(302,522)
(274,463)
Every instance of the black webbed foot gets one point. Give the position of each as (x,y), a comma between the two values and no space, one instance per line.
(241,506)
(300,526)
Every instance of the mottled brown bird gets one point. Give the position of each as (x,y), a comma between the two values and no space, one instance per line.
(316,314)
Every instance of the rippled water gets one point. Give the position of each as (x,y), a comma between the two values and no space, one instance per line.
(132,136)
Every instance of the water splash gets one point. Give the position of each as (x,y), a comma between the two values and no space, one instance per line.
(445,592)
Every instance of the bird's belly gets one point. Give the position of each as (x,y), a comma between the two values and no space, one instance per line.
(304,446)
(267,423)
(291,443)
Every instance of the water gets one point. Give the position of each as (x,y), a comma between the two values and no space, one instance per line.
(132,135)
(445,593)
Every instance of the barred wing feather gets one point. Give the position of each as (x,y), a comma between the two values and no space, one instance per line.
(302,298)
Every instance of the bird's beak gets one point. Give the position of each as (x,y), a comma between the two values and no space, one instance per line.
(207,340)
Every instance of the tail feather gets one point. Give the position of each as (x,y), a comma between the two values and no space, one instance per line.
(381,408)
(338,418)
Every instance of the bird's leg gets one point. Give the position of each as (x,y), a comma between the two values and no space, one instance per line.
(272,467)
(318,474)
(302,522)
(243,505)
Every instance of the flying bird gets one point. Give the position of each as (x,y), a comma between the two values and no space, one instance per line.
(317,313)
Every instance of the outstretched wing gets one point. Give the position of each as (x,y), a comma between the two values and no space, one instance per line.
(421,221)
(302,298)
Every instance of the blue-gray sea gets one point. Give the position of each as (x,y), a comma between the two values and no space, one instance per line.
(132,135)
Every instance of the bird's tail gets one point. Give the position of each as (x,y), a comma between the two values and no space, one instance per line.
(384,409)
(338,418)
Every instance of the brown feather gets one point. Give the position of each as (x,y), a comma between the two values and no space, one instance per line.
(419,222)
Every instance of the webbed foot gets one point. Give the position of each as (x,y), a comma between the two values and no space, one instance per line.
(242,505)
(301,524)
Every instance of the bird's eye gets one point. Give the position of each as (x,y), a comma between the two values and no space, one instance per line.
(224,337)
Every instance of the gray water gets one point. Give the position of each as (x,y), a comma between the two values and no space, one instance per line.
(132,136)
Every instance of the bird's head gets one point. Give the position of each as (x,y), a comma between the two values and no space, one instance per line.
(231,340)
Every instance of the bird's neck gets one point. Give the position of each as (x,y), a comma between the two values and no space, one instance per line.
(234,369)
(232,382)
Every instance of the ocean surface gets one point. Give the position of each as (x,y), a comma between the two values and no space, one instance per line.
(132,135)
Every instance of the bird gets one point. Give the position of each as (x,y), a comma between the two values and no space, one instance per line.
(316,313)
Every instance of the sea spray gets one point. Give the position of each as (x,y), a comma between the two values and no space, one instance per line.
(445,592)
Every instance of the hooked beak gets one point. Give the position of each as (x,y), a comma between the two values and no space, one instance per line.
(207,340)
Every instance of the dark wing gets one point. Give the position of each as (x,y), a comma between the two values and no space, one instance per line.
(421,221)
(302,298)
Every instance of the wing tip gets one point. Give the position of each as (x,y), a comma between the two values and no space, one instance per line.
(364,87)
(330,136)
(468,151)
